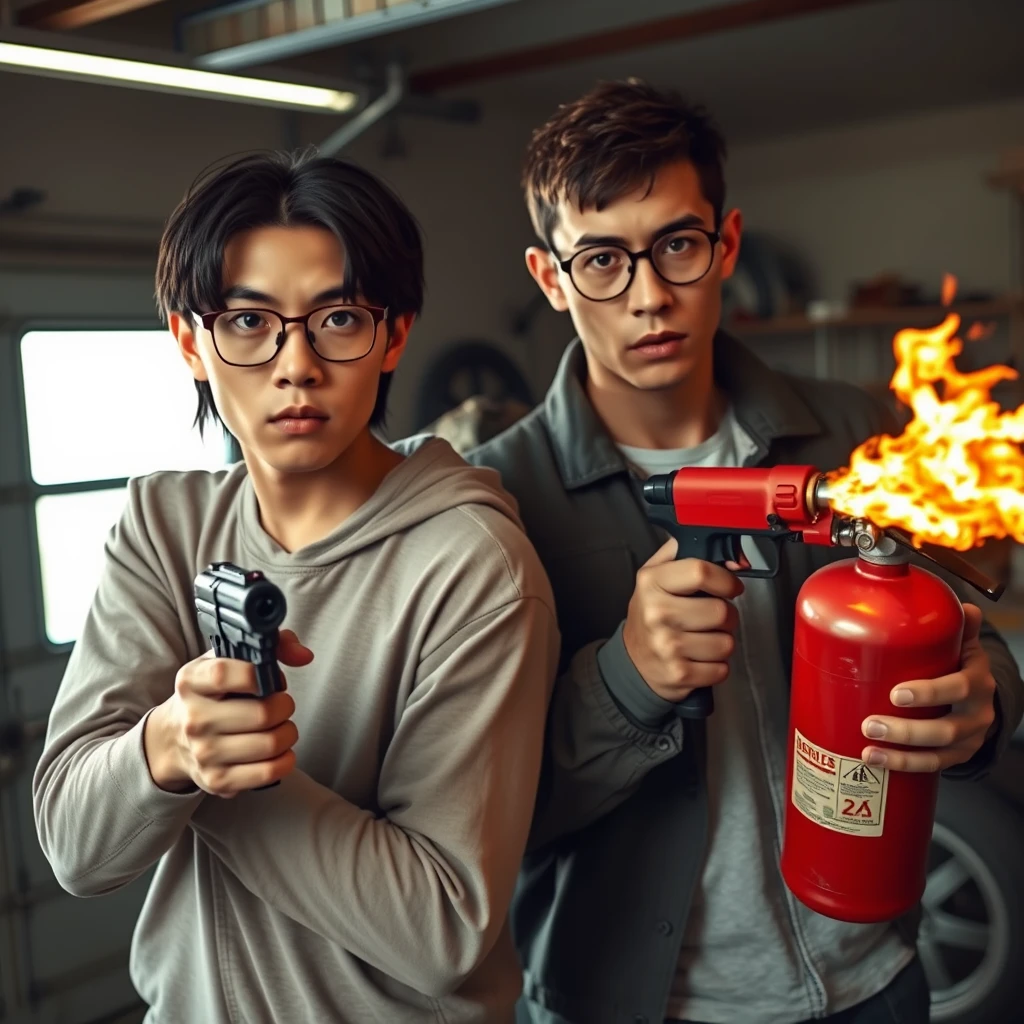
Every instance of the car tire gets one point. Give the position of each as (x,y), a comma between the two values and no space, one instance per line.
(971,941)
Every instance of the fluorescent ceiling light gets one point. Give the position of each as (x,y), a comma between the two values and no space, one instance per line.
(172,78)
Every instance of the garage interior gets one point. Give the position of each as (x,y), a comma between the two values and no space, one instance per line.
(875,146)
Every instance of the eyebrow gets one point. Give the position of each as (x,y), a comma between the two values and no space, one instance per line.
(240,291)
(691,220)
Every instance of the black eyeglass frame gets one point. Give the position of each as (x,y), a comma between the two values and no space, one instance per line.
(714,237)
(378,313)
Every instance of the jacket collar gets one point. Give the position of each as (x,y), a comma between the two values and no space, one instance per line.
(764,402)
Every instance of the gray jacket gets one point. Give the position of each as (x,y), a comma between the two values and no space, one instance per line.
(620,825)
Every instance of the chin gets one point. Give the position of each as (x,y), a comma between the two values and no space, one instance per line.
(298,467)
(298,460)
(660,377)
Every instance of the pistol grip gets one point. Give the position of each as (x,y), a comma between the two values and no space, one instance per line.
(251,696)
(708,545)
(701,702)
(268,679)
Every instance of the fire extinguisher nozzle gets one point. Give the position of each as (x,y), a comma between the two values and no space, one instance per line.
(821,493)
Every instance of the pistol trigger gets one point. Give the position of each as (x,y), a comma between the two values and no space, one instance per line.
(734,542)
(775,558)
(722,548)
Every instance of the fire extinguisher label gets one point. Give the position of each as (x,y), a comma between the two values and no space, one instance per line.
(836,792)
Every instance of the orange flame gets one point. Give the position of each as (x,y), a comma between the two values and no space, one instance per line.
(979,331)
(948,289)
(955,476)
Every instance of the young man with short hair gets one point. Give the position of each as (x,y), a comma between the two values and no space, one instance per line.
(373,883)
(652,889)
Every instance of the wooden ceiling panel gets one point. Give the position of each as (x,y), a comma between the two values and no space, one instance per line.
(65,14)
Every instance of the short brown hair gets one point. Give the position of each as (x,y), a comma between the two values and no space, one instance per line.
(612,141)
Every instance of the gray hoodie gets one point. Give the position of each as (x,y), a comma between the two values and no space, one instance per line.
(373,883)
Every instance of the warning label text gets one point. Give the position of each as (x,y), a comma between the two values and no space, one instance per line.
(836,792)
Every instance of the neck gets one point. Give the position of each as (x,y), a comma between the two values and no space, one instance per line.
(297,509)
(681,416)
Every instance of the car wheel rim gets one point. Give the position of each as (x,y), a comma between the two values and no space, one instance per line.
(965,929)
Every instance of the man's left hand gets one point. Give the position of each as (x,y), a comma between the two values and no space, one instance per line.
(952,739)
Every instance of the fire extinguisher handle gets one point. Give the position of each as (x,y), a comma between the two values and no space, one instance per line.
(701,702)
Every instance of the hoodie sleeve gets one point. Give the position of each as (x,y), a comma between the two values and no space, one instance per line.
(421,890)
(101,819)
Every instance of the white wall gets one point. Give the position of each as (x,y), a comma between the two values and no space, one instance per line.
(909,195)
(119,155)
(106,151)
(463,185)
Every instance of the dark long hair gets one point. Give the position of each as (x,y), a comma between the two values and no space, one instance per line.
(379,236)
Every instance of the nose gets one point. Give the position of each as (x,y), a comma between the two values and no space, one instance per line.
(648,293)
(297,364)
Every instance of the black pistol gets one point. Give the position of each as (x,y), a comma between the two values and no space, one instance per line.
(239,611)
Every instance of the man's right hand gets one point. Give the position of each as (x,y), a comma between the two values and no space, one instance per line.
(677,641)
(201,737)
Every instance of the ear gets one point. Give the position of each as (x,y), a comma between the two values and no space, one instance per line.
(182,329)
(732,228)
(397,341)
(543,269)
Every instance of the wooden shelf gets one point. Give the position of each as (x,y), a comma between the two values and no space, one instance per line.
(895,317)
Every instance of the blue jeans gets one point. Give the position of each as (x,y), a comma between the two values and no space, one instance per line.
(905,1000)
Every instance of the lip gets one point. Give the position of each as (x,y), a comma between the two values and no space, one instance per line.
(299,412)
(659,346)
(299,419)
(658,339)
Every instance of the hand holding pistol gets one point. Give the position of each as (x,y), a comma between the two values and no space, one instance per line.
(199,736)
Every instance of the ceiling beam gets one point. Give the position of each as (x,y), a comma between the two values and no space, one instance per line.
(722,18)
(65,14)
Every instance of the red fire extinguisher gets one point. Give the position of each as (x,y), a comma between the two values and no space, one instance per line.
(856,835)
(855,844)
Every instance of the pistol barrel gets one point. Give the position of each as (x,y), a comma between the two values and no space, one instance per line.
(658,489)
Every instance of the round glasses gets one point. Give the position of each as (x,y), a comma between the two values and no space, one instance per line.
(603,272)
(251,337)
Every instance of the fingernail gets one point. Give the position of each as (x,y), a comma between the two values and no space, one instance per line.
(903,697)
(876,757)
(875,731)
